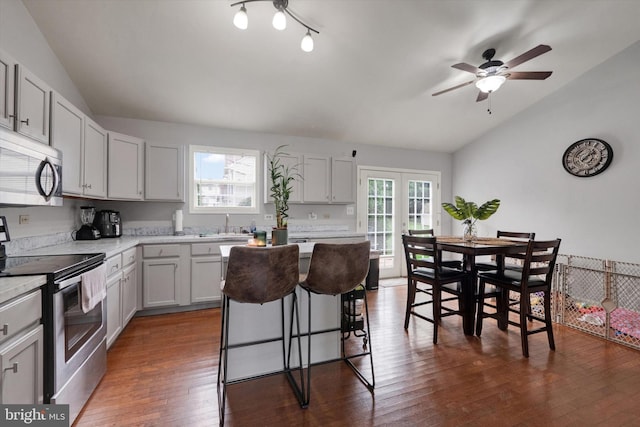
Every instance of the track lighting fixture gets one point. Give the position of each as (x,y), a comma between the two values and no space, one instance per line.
(241,20)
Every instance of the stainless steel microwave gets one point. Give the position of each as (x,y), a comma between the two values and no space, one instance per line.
(30,172)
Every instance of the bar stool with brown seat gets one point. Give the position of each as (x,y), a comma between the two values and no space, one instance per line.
(535,277)
(338,269)
(258,276)
(425,267)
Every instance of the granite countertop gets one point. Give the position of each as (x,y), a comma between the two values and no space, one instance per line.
(11,287)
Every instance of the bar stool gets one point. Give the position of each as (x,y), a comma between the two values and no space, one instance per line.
(257,276)
(338,269)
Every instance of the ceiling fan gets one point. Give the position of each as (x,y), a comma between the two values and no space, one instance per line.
(493,73)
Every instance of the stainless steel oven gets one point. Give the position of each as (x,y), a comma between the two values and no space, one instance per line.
(80,349)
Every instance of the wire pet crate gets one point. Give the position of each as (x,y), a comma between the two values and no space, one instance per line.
(600,297)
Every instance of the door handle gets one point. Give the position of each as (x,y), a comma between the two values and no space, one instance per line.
(13,368)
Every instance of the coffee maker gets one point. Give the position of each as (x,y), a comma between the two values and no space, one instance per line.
(108,223)
(87,231)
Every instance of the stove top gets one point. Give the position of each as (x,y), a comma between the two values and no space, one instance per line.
(55,265)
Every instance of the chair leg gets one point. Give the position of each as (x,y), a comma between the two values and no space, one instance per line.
(298,389)
(547,318)
(307,393)
(437,307)
(370,384)
(524,310)
(480,313)
(411,297)
(224,340)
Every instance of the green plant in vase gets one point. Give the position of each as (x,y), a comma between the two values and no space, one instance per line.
(282,177)
(469,213)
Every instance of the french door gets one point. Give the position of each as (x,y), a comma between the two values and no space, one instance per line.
(392,201)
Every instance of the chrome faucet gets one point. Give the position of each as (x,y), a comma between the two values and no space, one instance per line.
(226,224)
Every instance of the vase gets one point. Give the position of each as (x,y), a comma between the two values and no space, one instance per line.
(279,236)
(470,232)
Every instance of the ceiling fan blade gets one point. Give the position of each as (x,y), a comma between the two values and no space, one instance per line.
(453,88)
(536,51)
(482,96)
(529,75)
(467,67)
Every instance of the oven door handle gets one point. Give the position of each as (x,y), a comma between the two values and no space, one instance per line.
(65,283)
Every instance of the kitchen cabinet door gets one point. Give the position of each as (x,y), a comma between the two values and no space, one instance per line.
(290,160)
(129,294)
(95,160)
(316,179)
(205,278)
(32,106)
(7,88)
(343,180)
(67,135)
(164,173)
(21,361)
(161,282)
(114,304)
(125,167)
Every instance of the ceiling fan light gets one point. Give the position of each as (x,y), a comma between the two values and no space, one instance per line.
(307,42)
(490,83)
(279,20)
(240,19)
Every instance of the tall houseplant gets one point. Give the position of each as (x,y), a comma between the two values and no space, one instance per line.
(469,213)
(282,177)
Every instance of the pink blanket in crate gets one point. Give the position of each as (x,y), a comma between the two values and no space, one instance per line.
(622,320)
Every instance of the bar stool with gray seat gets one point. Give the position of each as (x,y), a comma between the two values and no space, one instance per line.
(257,276)
(337,269)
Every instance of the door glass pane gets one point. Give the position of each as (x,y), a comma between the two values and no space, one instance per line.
(380,214)
(420,217)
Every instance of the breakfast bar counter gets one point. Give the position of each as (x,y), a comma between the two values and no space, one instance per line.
(252,322)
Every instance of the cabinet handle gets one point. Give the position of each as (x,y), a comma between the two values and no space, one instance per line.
(5,329)
(26,122)
(115,267)
(13,368)
(12,116)
(88,185)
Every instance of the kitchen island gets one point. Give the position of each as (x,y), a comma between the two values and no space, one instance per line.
(251,322)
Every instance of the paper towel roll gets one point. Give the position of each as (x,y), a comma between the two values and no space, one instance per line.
(178,223)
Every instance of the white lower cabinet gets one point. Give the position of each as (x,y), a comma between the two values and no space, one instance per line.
(206,272)
(122,292)
(114,307)
(21,354)
(161,275)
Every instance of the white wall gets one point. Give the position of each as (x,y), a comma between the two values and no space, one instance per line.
(181,134)
(520,163)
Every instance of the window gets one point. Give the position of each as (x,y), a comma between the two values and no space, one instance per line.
(222,180)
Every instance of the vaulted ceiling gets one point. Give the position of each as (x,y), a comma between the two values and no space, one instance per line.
(369,79)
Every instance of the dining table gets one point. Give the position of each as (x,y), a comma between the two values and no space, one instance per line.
(478,246)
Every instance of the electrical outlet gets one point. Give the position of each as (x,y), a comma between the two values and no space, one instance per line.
(268,217)
(23,219)
(350,210)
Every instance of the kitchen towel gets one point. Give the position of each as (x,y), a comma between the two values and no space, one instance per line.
(93,287)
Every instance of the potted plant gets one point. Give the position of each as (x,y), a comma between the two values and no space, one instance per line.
(469,213)
(281,178)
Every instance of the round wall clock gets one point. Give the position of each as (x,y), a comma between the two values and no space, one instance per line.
(587,157)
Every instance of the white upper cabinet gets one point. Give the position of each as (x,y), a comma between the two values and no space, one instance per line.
(291,161)
(317,179)
(343,180)
(125,167)
(7,88)
(164,173)
(95,159)
(84,148)
(32,105)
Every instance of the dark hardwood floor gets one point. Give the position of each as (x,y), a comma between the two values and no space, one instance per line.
(162,372)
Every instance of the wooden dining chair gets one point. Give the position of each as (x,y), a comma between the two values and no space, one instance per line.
(511,262)
(534,277)
(424,267)
(429,232)
(340,269)
(258,276)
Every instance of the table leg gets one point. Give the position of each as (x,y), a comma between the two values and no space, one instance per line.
(469,296)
